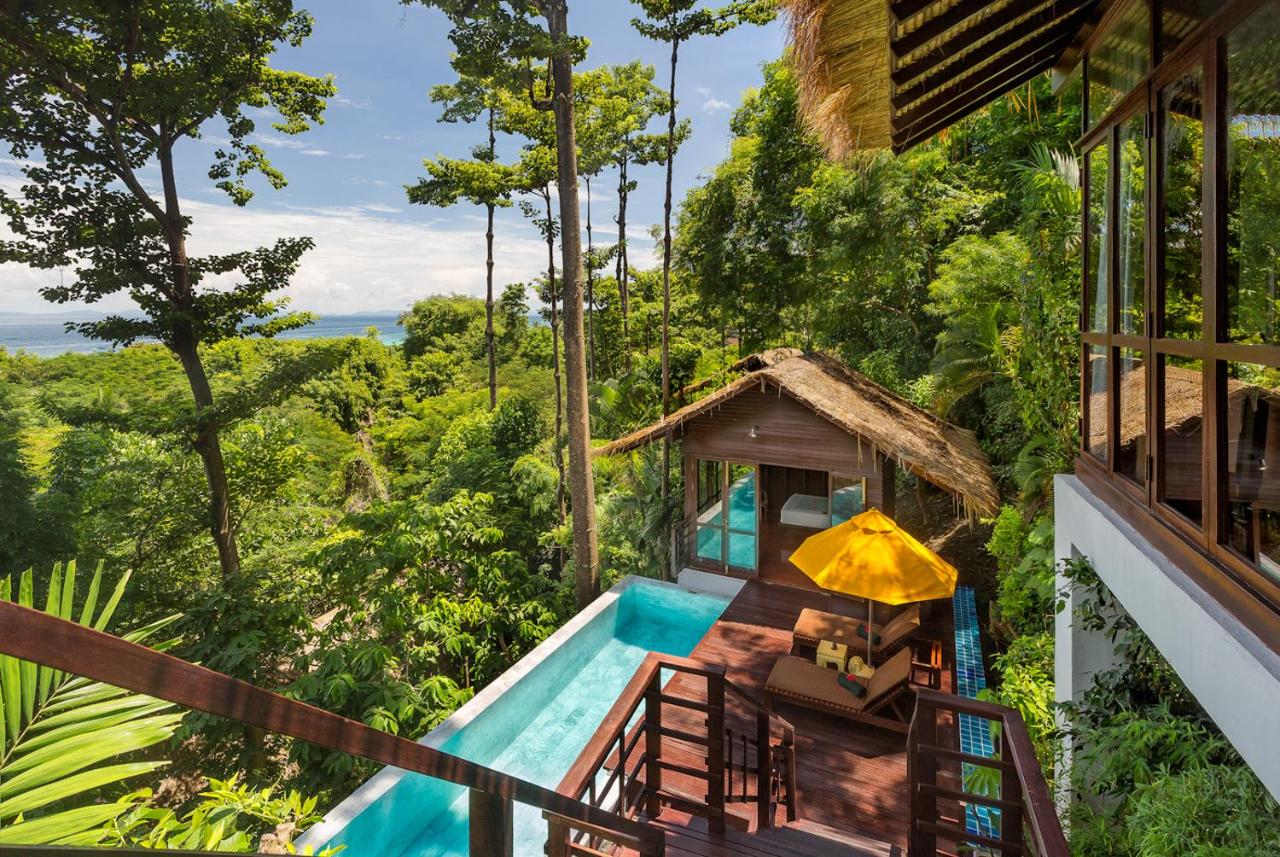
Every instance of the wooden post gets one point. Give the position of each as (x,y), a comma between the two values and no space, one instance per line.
(793,802)
(653,746)
(922,768)
(715,751)
(1010,793)
(558,832)
(764,772)
(491,825)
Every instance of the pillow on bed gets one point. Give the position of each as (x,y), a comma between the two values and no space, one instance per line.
(851,683)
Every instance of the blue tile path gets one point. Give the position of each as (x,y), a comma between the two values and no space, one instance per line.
(971,677)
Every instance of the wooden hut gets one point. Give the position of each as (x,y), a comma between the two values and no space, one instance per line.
(795,443)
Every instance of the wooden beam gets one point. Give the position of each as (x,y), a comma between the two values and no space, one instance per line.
(904,9)
(32,635)
(970,93)
(490,821)
(1024,26)
(903,45)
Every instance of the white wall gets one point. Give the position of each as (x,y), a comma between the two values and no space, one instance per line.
(1228,669)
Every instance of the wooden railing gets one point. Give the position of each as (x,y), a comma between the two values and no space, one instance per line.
(775,764)
(622,768)
(34,636)
(1009,785)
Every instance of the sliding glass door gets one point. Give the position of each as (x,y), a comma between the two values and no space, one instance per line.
(728,515)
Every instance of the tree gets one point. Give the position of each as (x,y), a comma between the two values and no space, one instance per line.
(481,181)
(99,93)
(673,22)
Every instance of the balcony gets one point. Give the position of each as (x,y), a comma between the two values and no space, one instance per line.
(689,760)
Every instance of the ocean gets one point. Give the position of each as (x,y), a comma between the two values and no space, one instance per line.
(44,335)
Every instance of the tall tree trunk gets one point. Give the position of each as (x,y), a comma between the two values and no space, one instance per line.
(185,346)
(666,289)
(489,340)
(581,487)
(591,291)
(555,351)
(622,272)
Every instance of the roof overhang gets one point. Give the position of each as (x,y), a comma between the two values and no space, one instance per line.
(876,74)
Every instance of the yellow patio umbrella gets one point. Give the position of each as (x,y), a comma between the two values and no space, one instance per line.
(869,556)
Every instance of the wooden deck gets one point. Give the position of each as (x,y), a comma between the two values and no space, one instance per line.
(851,777)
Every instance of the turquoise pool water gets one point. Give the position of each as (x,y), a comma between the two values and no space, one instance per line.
(742,527)
(537,728)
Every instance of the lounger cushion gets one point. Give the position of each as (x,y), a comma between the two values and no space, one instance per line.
(814,625)
(807,682)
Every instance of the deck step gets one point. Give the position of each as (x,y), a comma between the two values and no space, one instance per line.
(688,836)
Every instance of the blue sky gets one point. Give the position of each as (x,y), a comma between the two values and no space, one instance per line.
(346,178)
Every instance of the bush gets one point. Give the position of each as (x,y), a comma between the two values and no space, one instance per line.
(1214,811)
(1024,561)
(1026,685)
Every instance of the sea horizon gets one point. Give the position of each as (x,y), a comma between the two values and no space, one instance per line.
(44,334)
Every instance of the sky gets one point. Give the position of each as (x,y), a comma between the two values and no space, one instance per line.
(376,252)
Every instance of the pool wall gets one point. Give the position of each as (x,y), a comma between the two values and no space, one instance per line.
(362,811)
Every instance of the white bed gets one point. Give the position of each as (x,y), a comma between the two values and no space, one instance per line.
(812,511)
(806,510)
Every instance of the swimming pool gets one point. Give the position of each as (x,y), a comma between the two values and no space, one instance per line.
(532,723)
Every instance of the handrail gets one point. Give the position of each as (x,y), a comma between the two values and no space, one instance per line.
(32,635)
(1024,798)
(612,737)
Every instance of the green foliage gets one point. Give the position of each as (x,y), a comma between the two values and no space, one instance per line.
(229,817)
(1211,811)
(449,323)
(1025,568)
(1026,685)
(58,732)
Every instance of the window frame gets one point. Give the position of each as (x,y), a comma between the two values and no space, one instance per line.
(1204,47)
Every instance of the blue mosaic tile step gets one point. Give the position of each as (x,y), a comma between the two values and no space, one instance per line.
(971,677)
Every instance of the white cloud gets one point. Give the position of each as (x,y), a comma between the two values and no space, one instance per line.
(711,104)
(343,101)
(365,257)
(354,156)
(315,153)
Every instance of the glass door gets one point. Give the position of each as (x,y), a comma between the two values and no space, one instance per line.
(728,515)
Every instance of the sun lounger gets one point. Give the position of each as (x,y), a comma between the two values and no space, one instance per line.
(813,626)
(804,683)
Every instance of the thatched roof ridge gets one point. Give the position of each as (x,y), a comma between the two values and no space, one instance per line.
(942,453)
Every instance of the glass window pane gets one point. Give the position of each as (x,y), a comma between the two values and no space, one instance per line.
(1182,159)
(1130,235)
(1096,406)
(709,485)
(1181,455)
(848,497)
(1178,20)
(1253,177)
(742,517)
(1131,445)
(1252,464)
(1096,264)
(1120,60)
(710,531)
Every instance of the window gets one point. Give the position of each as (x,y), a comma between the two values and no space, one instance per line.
(1251,463)
(726,526)
(848,497)
(1253,178)
(1182,226)
(1181,332)
(1096,264)
(1119,61)
(1180,460)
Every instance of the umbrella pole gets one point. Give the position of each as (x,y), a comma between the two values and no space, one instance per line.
(870,609)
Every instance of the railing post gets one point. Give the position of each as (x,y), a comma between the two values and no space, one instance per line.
(922,768)
(490,825)
(715,751)
(793,805)
(1011,792)
(558,832)
(653,746)
(764,772)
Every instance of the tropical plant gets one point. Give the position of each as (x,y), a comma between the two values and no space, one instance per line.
(58,729)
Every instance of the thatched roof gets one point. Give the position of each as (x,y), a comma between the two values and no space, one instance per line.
(944,454)
(1183,402)
(876,74)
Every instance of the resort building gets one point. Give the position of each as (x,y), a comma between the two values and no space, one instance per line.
(657,720)
(794,444)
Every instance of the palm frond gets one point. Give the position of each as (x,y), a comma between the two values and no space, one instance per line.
(60,735)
